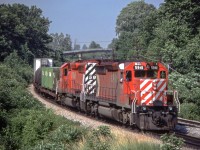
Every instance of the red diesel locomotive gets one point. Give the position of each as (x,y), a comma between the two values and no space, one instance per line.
(133,93)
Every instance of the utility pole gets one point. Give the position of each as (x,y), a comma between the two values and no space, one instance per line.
(75,43)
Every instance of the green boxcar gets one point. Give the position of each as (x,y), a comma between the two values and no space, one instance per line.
(50,77)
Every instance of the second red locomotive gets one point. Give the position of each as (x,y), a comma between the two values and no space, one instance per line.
(133,93)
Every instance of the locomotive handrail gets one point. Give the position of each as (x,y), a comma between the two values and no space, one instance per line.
(175,94)
(177,100)
(134,101)
(57,83)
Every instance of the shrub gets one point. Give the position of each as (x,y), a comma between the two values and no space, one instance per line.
(171,142)
(48,146)
(67,134)
(20,67)
(99,139)
(27,127)
(190,111)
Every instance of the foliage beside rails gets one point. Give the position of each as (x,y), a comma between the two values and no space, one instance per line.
(15,75)
(171,142)
(25,123)
(99,139)
(190,111)
(30,128)
(20,67)
(188,87)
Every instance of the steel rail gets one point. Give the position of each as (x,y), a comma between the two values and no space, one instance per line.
(192,123)
(190,140)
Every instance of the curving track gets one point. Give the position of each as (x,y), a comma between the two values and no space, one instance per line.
(191,141)
(90,121)
(187,122)
(191,135)
(194,142)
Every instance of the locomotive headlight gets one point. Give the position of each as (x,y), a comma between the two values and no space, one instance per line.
(144,108)
(170,108)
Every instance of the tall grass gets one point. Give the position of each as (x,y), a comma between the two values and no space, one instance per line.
(104,138)
(124,140)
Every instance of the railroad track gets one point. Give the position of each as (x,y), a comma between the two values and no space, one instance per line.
(187,122)
(192,141)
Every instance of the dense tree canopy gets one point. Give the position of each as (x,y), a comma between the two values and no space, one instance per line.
(134,27)
(132,17)
(175,34)
(25,30)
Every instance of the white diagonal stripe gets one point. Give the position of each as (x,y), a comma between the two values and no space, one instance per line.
(163,87)
(159,83)
(143,83)
(148,96)
(157,95)
(148,87)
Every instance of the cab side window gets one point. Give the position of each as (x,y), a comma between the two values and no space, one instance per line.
(162,74)
(128,75)
(65,72)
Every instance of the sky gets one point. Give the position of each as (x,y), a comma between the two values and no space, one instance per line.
(83,20)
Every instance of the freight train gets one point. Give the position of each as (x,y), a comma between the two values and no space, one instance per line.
(134,93)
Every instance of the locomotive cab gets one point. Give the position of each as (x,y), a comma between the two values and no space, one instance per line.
(64,85)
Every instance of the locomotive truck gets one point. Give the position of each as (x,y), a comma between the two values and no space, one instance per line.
(134,93)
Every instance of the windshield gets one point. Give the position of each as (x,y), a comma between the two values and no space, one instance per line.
(146,74)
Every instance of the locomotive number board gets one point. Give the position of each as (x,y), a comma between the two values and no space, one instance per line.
(139,67)
(154,67)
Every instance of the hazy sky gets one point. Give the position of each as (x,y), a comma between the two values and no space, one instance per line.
(84,20)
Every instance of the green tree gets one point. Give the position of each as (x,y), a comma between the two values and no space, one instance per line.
(84,46)
(176,29)
(185,11)
(60,43)
(134,27)
(93,45)
(25,30)
(113,43)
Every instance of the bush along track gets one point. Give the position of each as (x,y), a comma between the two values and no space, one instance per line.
(25,123)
